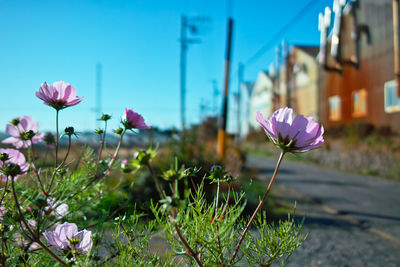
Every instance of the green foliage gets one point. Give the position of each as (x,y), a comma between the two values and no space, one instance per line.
(271,243)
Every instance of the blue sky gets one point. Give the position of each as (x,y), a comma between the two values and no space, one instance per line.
(137,44)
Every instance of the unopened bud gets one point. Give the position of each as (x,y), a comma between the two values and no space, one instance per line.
(28,135)
(11,169)
(105,117)
(118,131)
(49,139)
(15,122)
(61,172)
(69,131)
(4,157)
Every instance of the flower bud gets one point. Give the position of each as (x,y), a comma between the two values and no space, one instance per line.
(41,203)
(99,131)
(69,131)
(4,157)
(11,169)
(15,122)
(105,117)
(118,131)
(124,167)
(3,228)
(49,139)
(61,172)
(28,135)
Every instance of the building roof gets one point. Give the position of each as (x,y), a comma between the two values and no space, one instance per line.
(311,50)
(249,86)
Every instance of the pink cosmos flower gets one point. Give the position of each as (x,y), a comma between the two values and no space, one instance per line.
(59,95)
(133,120)
(9,155)
(55,208)
(67,237)
(300,134)
(24,132)
(23,243)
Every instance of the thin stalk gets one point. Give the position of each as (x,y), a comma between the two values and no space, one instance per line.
(19,209)
(106,172)
(185,243)
(35,171)
(55,165)
(258,207)
(216,200)
(34,237)
(114,157)
(221,255)
(227,202)
(61,164)
(102,142)
(68,150)
(4,192)
(176,191)
(156,181)
(3,259)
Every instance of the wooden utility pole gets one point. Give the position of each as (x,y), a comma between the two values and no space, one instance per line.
(99,75)
(396,33)
(224,116)
(239,101)
(277,80)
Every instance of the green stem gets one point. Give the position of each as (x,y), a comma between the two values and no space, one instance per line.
(34,237)
(102,142)
(59,166)
(114,157)
(35,171)
(4,192)
(227,202)
(216,201)
(258,207)
(156,181)
(185,243)
(56,161)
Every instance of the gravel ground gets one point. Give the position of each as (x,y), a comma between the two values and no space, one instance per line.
(351,220)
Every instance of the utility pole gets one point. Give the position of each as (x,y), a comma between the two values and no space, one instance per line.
(285,55)
(186,23)
(183,70)
(277,79)
(240,80)
(222,128)
(396,44)
(99,74)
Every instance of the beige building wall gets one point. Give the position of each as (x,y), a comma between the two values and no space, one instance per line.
(261,98)
(305,92)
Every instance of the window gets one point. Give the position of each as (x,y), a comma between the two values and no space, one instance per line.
(359,103)
(335,112)
(392,100)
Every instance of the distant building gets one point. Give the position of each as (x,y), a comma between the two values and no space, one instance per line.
(261,98)
(246,90)
(299,87)
(357,78)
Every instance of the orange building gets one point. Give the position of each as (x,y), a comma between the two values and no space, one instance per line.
(358,58)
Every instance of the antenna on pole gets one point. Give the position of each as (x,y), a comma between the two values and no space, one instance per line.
(187,23)
(99,74)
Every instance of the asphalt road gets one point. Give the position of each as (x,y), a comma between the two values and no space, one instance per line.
(351,220)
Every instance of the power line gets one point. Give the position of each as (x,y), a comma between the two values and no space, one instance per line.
(277,35)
